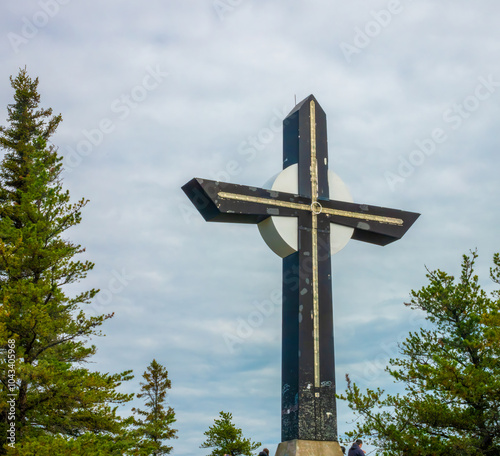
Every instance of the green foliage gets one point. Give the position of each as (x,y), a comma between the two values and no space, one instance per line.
(42,329)
(156,425)
(225,438)
(451,374)
(85,445)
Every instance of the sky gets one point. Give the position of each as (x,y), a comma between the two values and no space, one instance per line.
(155,93)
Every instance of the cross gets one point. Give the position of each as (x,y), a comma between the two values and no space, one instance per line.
(308,368)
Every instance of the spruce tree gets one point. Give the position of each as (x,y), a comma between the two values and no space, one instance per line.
(155,427)
(450,370)
(43,330)
(225,438)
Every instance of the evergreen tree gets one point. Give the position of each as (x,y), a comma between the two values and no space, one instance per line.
(156,427)
(451,374)
(43,331)
(225,438)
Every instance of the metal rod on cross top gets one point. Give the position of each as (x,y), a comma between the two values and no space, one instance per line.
(305,217)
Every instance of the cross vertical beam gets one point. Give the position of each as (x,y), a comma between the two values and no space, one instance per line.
(308,375)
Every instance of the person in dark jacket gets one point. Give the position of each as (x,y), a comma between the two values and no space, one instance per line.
(356,450)
(264,452)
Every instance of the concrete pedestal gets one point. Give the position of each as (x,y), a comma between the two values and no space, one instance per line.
(308,448)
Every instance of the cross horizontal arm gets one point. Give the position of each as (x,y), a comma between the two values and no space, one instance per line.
(224,202)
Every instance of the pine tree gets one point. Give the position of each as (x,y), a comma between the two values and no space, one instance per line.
(156,427)
(225,438)
(451,374)
(43,331)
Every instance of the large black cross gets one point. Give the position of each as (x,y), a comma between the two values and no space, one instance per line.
(308,368)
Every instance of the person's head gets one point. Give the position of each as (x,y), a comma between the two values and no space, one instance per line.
(265,450)
(359,442)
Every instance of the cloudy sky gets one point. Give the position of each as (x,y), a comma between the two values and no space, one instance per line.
(155,93)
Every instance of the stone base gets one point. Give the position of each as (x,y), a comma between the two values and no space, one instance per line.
(308,448)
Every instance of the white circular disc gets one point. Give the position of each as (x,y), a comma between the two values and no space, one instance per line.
(281,233)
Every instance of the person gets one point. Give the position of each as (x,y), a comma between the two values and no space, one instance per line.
(264,452)
(356,450)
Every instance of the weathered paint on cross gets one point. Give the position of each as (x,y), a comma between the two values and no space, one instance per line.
(308,373)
